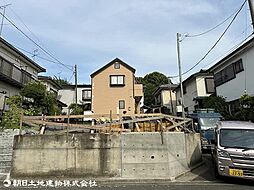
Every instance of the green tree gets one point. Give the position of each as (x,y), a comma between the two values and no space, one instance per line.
(60,81)
(246,109)
(218,103)
(76,110)
(11,117)
(39,98)
(151,81)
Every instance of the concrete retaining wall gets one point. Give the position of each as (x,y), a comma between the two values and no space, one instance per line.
(155,155)
(130,155)
(6,147)
(79,155)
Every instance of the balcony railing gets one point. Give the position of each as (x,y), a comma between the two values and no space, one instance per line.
(9,72)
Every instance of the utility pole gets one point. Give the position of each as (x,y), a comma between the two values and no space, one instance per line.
(76,85)
(2,23)
(170,93)
(251,13)
(178,36)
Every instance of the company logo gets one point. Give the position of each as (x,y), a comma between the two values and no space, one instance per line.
(7,183)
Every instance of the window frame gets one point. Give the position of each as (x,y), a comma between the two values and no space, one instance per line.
(117,65)
(223,75)
(206,86)
(83,94)
(119,104)
(238,63)
(116,85)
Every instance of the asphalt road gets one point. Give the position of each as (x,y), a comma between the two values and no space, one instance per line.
(202,178)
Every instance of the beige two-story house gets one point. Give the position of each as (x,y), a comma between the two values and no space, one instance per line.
(114,89)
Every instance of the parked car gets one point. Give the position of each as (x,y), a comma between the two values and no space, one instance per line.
(204,123)
(233,152)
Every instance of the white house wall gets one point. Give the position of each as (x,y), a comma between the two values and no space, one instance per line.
(201,86)
(191,92)
(67,96)
(10,91)
(235,88)
(166,99)
(18,62)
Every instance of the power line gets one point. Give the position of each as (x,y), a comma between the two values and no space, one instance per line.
(71,77)
(45,51)
(21,20)
(29,29)
(214,45)
(229,51)
(36,55)
(202,33)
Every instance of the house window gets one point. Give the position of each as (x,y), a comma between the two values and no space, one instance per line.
(209,84)
(238,66)
(218,79)
(117,65)
(117,80)
(86,94)
(228,73)
(121,104)
(224,75)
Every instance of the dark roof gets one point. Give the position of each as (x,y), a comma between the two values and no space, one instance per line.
(72,86)
(246,44)
(112,62)
(193,76)
(164,87)
(60,103)
(50,80)
(38,67)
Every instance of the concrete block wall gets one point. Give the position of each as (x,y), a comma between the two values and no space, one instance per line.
(6,147)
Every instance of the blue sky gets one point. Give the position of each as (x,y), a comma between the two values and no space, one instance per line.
(90,33)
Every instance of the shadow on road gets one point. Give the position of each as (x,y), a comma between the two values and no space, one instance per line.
(206,173)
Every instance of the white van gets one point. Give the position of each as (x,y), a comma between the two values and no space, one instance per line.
(233,152)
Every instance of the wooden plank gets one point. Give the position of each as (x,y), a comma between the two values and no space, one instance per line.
(179,125)
(137,127)
(93,116)
(75,125)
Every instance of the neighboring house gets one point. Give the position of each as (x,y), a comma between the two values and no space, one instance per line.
(233,74)
(16,70)
(165,99)
(195,88)
(114,89)
(67,95)
(53,87)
